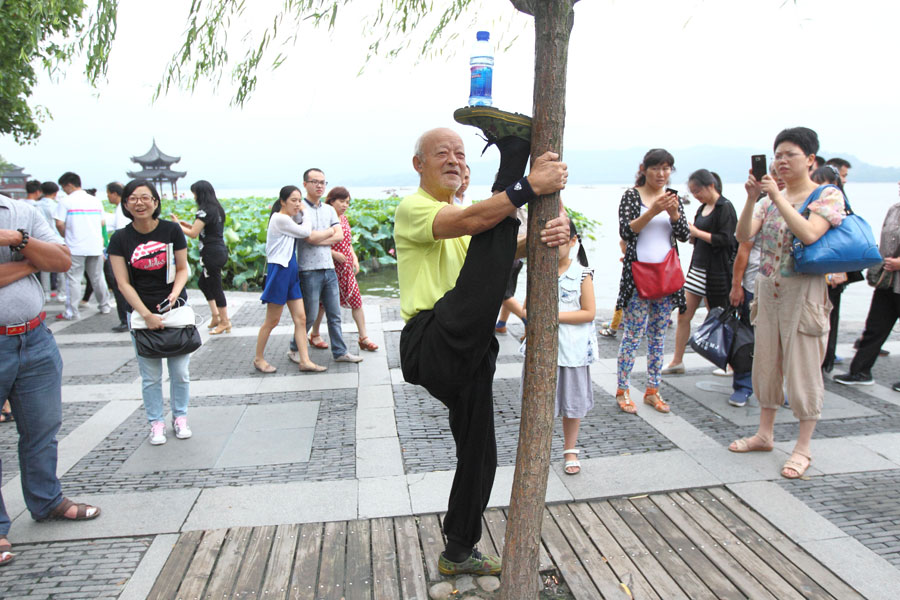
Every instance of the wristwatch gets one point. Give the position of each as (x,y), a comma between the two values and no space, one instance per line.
(24,242)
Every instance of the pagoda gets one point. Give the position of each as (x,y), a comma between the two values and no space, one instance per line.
(156,167)
(12,182)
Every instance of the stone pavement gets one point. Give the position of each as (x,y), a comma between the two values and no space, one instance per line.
(357,442)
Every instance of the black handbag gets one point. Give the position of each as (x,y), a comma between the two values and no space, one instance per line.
(741,357)
(165,342)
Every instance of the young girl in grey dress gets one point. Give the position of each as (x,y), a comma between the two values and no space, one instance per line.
(577,345)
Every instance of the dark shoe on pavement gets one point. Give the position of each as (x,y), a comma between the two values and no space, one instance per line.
(476,564)
(121,327)
(854,379)
(739,399)
(511,132)
(896,387)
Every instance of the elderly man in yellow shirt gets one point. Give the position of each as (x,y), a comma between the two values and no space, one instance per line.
(453,267)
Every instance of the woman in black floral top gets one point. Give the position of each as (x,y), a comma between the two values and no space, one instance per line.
(650,220)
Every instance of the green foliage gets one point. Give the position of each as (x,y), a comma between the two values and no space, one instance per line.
(31,33)
(583,224)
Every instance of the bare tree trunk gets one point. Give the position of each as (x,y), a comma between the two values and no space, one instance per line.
(553,21)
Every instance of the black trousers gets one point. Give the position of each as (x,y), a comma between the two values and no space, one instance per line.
(883,313)
(451,351)
(834,294)
(121,302)
(212,260)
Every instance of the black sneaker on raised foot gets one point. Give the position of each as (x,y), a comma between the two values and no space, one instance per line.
(854,379)
(496,124)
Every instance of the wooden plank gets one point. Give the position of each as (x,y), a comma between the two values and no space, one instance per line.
(788,570)
(277,580)
(384,560)
(306,563)
(486,545)
(359,561)
(432,544)
(612,553)
(197,576)
(759,567)
(823,576)
(230,557)
(661,581)
(331,567)
(744,581)
(585,552)
(690,553)
(169,579)
(570,567)
(253,567)
(412,571)
(498,531)
(667,555)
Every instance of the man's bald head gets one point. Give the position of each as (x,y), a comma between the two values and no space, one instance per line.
(440,161)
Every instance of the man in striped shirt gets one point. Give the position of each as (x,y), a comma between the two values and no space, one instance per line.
(79,219)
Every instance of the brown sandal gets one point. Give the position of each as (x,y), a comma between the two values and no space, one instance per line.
(625,403)
(59,513)
(317,344)
(366,344)
(655,400)
(798,467)
(6,556)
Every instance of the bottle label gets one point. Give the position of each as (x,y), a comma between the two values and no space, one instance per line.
(481,81)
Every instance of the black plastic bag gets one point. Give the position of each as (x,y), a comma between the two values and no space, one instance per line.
(741,358)
(713,339)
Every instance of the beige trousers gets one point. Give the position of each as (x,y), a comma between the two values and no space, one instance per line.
(791,319)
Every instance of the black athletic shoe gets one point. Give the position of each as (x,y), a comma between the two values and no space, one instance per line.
(854,379)
(121,327)
(896,387)
(510,132)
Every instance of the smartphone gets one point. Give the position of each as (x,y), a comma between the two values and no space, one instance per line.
(758,164)
(672,191)
(164,306)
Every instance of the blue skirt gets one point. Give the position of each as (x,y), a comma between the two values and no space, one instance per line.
(282,283)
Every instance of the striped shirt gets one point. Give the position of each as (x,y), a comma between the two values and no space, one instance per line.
(83,216)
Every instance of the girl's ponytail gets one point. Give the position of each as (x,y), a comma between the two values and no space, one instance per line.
(573,233)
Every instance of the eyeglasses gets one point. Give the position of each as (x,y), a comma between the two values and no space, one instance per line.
(787,155)
(145,199)
(317,182)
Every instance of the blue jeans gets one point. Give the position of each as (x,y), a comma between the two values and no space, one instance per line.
(151,385)
(741,382)
(31,376)
(321,285)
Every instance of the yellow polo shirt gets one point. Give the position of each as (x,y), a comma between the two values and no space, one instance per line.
(426,268)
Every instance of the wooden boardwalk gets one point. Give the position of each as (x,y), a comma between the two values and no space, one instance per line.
(702,543)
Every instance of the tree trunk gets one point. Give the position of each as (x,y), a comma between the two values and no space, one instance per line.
(553,21)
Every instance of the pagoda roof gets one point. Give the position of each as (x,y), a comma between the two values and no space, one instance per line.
(14,171)
(155,155)
(156,174)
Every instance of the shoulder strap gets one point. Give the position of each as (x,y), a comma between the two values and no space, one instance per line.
(818,192)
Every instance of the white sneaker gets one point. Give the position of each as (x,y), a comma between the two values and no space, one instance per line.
(350,358)
(722,372)
(182,431)
(157,433)
(105,311)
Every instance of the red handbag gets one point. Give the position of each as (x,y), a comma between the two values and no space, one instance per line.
(658,280)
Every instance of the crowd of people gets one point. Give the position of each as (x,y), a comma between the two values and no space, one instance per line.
(458,262)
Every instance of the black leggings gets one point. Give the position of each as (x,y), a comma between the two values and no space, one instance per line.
(212,259)
(451,351)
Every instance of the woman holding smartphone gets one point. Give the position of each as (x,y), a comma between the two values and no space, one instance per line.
(790,310)
(651,218)
(709,277)
(143,255)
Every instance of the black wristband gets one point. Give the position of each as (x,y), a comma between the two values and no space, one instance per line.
(520,193)
(24,242)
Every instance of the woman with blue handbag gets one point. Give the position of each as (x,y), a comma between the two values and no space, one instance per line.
(790,309)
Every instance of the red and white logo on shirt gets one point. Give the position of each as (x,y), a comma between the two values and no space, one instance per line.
(149,256)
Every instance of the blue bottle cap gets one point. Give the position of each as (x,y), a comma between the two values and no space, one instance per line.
(482,36)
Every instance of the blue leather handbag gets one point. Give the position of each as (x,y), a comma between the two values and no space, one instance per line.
(849,246)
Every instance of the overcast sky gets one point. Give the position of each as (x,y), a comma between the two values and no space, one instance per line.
(642,73)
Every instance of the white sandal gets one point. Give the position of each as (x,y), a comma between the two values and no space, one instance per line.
(572,463)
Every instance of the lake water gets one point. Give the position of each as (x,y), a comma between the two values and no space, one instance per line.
(601,202)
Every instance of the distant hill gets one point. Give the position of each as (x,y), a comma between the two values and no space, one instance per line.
(620,166)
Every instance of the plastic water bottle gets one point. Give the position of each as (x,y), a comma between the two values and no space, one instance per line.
(482,66)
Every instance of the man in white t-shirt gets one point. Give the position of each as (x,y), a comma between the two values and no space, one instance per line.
(79,219)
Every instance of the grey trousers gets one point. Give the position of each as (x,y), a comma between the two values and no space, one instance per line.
(92,266)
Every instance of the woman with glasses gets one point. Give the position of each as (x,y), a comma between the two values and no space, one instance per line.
(651,218)
(209,227)
(709,276)
(790,310)
(149,260)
